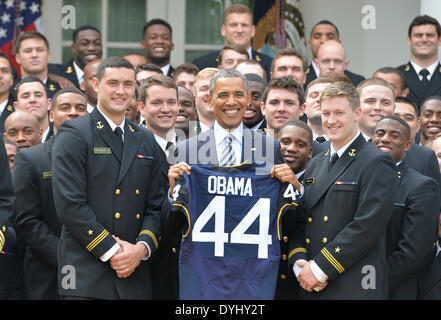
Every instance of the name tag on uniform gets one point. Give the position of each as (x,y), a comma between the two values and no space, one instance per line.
(399,204)
(102,150)
(47,175)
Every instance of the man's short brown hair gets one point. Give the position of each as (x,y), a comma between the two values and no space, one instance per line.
(30,35)
(186,67)
(286,53)
(286,84)
(375,81)
(157,79)
(238,8)
(342,88)
(204,74)
(238,49)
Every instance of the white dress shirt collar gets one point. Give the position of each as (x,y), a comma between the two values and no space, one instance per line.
(111,123)
(431,69)
(79,72)
(343,149)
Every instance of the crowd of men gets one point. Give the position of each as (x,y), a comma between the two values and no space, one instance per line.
(105,161)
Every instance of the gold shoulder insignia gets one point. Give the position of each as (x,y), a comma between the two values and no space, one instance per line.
(4,229)
(131,129)
(258,59)
(307,70)
(439,69)
(99,125)
(69,70)
(10,108)
(52,87)
(90,232)
(352,153)
(407,68)
(327,152)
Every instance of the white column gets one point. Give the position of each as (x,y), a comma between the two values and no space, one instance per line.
(51,16)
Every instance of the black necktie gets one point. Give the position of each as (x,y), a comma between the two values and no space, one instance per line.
(425,80)
(119,133)
(320,139)
(334,158)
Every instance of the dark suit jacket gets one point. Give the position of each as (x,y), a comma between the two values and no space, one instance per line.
(210,60)
(418,92)
(6,112)
(68,71)
(253,149)
(411,231)
(98,193)
(424,161)
(346,211)
(164,265)
(36,221)
(430,284)
(311,75)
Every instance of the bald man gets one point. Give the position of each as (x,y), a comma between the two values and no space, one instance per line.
(86,84)
(23,129)
(331,59)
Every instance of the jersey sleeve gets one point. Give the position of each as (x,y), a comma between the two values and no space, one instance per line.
(180,203)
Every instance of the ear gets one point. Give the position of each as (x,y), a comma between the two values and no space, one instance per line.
(346,63)
(407,146)
(142,44)
(310,153)
(262,108)
(408,41)
(95,84)
(49,104)
(209,100)
(40,133)
(51,116)
(253,31)
(141,108)
(15,105)
(223,32)
(405,92)
(302,108)
(82,86)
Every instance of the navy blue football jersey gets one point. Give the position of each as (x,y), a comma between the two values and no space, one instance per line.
(230,247)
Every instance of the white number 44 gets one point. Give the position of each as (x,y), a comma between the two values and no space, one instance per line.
(216,207)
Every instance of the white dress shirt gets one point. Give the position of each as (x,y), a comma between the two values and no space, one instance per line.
(219,136)
(431,69)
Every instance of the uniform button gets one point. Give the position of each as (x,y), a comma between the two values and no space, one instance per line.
(137,191)
(310,219)
(307,240)
(117,191)
(285,239)
(284,257)
(138,216)
(325,218)
(174,250)
(117,215)
(282,276)
(324,240)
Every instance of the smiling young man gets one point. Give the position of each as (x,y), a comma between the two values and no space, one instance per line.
(158,44)
(158,104)
(32,97)
(108,192)
(86,47)
(33,56)
(357,181)
(282,102)
(430,118)
(423,74)
(416,211)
